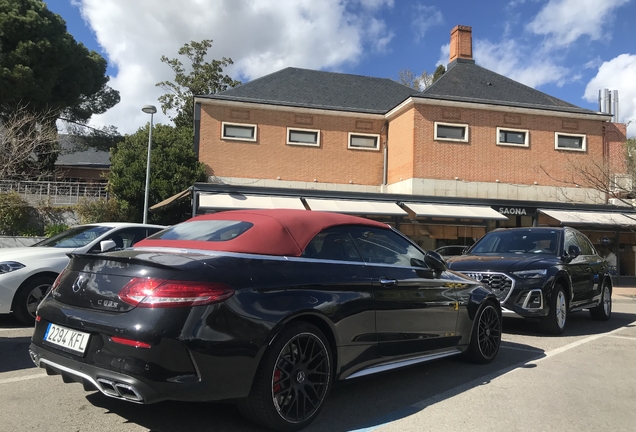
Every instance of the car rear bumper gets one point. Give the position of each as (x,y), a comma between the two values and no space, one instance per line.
(214,366)
(108,382)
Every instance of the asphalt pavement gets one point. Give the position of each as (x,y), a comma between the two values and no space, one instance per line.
(580,381)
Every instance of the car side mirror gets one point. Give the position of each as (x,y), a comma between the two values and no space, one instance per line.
(435,261)
(573,252)
(106,245)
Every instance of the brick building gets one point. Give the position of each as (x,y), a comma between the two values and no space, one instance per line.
(473,151)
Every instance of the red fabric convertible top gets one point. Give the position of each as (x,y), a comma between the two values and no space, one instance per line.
(275,232)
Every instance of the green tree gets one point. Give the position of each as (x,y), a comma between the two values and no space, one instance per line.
(422,81)
(173,167)
(201,78)
(43,68)
(438,73)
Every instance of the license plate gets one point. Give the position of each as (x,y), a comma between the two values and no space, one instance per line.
(67,338)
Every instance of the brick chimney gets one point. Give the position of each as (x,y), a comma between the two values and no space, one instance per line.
(461,43)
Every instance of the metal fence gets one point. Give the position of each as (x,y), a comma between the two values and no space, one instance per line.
(56,193)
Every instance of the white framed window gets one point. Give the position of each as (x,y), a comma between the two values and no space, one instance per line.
(513,137)
(574,142)
(304,137)
(238,131)
(361,141)
(451,132)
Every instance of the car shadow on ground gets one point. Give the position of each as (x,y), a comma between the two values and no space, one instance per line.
(357,404)
(578,324)
(14,351)
(14,354)
(8,321)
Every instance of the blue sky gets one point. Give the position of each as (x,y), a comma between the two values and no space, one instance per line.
(567,48)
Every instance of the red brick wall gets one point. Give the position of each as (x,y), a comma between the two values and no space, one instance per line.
(482,160)
(413,152)
(615,137)
(84,174)
(270,157)
(401,163)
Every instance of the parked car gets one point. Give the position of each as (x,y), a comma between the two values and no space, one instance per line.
(541,273)
(451,250)
(27,273)
(267,308)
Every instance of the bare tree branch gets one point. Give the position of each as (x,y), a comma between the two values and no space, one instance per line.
(24,137)
(598,175)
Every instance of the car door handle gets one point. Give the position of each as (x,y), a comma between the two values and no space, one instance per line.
(388,282)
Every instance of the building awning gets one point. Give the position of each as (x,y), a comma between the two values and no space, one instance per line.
(454,211)
(361,207)
(173,199)
(224,201)
(567,217)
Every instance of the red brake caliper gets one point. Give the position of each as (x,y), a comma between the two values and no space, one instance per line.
(276,380)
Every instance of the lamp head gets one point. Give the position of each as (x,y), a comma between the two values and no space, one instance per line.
(149,109)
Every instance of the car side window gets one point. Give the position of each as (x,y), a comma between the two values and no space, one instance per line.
(332,244)
(570,240)
(383,246)
(585,245)
(123,238)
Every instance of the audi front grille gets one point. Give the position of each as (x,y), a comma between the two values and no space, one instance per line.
(499,283)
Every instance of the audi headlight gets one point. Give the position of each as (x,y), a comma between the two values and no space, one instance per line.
(9,266)
(531,274)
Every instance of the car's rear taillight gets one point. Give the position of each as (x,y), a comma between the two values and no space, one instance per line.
(130,342)
(158,293)
(58,279)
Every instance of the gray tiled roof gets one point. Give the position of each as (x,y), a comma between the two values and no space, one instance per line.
(307,88)
(75,154)
(464,81)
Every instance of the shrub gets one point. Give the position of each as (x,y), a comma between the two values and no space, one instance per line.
(14,213)
(55,229)
(111,210)
(30,232)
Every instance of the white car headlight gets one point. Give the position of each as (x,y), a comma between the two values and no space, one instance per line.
(9,266)
(531,274)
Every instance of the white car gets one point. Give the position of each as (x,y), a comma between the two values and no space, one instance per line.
(27,273)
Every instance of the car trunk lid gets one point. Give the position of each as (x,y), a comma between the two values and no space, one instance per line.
(95,281)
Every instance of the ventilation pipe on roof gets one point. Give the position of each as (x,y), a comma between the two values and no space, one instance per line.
(608,103)
(615,106)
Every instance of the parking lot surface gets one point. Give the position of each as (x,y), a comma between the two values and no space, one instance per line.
(580,381)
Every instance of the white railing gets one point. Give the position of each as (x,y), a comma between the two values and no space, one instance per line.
(60,193)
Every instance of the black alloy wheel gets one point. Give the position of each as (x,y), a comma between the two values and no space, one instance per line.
(28,298)
(292,381)
(603,311)
(486,335)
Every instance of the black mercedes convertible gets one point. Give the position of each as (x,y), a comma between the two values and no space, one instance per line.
(265,308)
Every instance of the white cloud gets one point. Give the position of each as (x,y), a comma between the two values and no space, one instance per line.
(261,37)
(565,21)
(426,17)
(617,74)
(511,59)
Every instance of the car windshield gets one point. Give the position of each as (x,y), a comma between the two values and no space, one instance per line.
(206,230)
(75,237)
(518,242)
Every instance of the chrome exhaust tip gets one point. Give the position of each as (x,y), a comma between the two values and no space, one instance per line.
(34,358)
(119,390)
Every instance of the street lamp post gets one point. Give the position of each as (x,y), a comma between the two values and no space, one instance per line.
(148,109)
